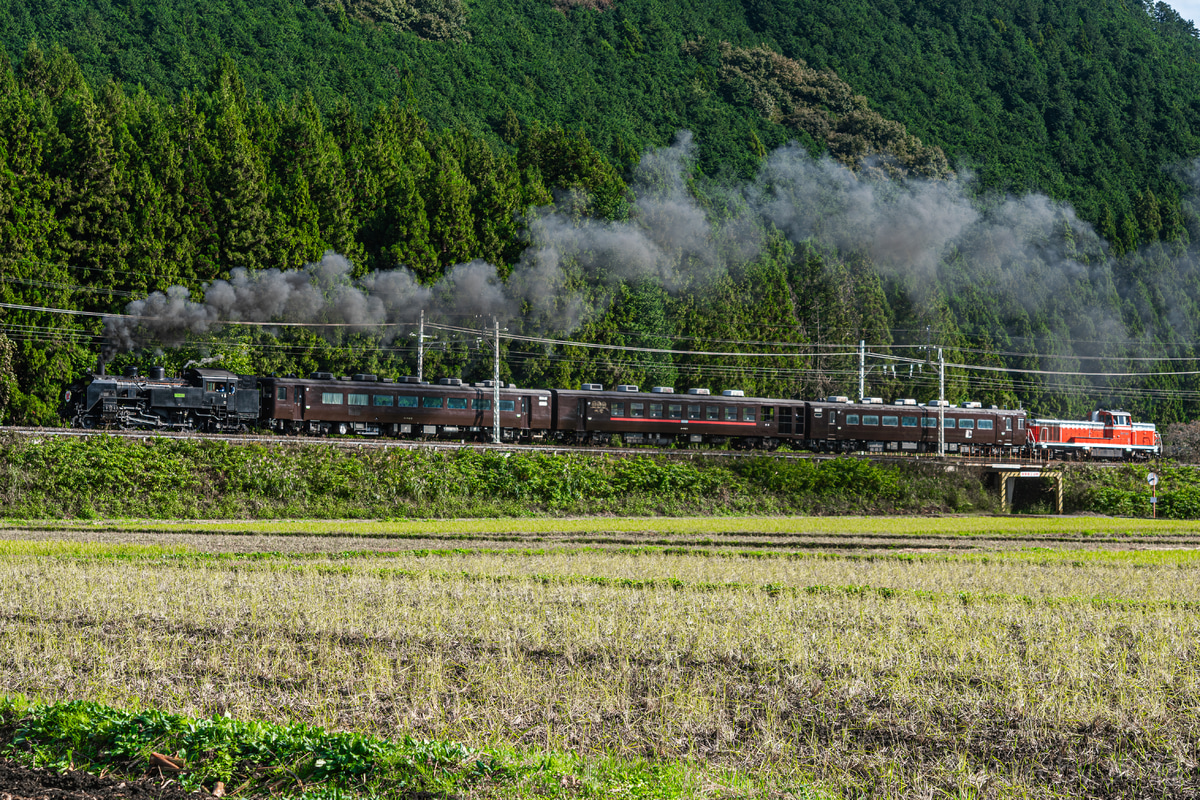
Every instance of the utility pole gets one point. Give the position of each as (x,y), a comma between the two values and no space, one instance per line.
(862,369)
(421,349)
(496,386)
(941,404)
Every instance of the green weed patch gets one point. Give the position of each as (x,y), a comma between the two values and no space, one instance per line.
(257,758)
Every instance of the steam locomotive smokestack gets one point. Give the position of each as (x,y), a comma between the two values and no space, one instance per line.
(100,363)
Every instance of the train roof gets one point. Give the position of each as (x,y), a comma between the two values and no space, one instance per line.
(403,382)
(214,374)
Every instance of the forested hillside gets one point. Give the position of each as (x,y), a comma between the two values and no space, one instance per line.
(1010,184)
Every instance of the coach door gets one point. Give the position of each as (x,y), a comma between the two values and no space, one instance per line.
(526,411)
(581,415)
(301,401)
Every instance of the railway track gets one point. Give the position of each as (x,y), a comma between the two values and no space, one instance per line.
(356,442)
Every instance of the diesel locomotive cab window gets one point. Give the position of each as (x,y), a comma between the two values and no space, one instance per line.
(712,412)
(456,402)
(281,393)
(431,402)
(852,419)
(985,425)
(891,422)
(331,398)
(656,410)
(731,414)
(748,415)
(358,399)
(693,412)
(674,411)
(384,400)
(481,405)
(406,401)
(966,423)
(508,405)
(618,409)
(637,409)
(870,419)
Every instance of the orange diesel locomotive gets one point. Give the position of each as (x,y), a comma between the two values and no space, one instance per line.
(1107,435)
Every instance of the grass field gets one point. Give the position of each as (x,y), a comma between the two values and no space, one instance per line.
(948,657)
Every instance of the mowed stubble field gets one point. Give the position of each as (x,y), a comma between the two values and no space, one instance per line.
(971,657)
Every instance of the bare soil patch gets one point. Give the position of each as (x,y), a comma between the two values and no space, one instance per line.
(23,783)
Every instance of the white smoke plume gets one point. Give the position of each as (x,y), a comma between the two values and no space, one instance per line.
(1026,247)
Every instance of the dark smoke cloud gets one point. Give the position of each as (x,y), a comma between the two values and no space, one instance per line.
(322,292)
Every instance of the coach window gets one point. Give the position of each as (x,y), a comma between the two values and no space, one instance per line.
(908,422)
(748,415)
(1008,423)
(331,398)
(948,423)
(383,400)
(731,413)
(870,419)
(674,411)
(1021,423)
(281,393)
(431,402)
(456,402)
(712,412)
(985,425)
(637,409)
(891,422)
(508,405)
(852,419)
(968,424)
(656,410)
(693,412)
(618,409)
(768,414)
(481,405)
(406,400)
(929,422)
(358,399)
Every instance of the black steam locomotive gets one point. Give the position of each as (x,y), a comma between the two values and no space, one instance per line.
(203,399)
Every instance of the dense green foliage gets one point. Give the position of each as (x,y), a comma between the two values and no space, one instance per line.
(163,478)
(1085,100)
(1124,492)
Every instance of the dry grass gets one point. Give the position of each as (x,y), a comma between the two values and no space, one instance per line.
(1038,674)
